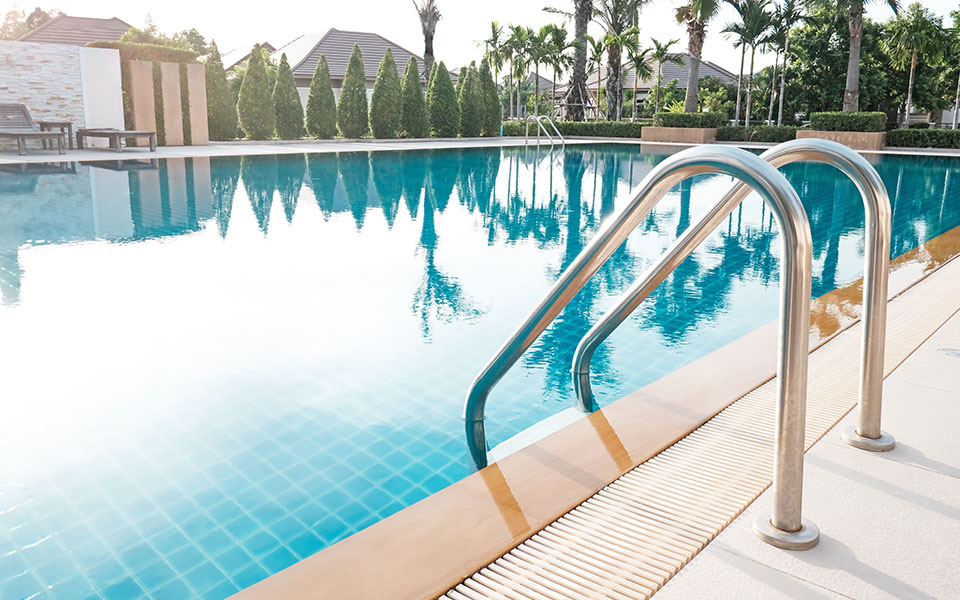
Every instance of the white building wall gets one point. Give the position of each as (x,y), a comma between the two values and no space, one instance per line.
(62,82)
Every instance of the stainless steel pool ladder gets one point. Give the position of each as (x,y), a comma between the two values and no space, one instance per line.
(539,119)
(867,434)
(784,525)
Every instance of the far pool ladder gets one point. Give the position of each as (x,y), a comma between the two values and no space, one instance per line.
(784,525)
(539,120)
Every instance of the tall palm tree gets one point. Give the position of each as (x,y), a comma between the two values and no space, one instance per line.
(493,46)
(616,17)
(575,99)
(639,60)
(757,21)
(595,58)
(915,34)
(539,48)
(695,14)
(776,41)
(519,42)
(429,15)
(560,58)
(791,13)
(625,43)
(854,11)
(737,32)
(661,55)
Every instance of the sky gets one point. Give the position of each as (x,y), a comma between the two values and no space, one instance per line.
(462,24)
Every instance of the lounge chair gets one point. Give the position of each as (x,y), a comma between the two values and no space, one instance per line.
(16,123)
(115,135)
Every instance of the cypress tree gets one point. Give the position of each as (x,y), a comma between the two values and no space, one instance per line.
(352,109)
(255,106)
(442,103)
(221,107)
(385,104)
(471,103)
(321,105)
(286,103)
(491,100)
(461,78)
(414,122)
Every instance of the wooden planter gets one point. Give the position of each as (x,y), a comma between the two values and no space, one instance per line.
(858,140)
(679,135)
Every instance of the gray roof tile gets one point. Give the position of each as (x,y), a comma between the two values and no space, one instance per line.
(77,31)
(304,52)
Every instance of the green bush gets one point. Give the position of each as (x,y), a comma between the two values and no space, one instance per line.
(352,109)
(470,102)
(185,106)
(843,121)
(286,103)
(413,121)
(490,100)
(255,106)
(613,129)
(148,52)
(442,103)
(924,138)
(321,119)
(385,103)
(689,120)
(756,133)
(221,107)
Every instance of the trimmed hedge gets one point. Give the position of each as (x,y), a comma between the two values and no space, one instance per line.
(689,120)
(414,121)
(352,113)
(442,106)
(386,101)
(614,129)
(286,103)
(321,114)
(758,133)
(843,121)
(148,52)
(924,138)
(221,106)
(255,105)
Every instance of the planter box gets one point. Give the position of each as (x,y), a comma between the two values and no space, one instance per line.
(858,140)
(679,135)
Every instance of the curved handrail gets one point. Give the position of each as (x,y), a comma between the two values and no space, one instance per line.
(867,434)
(540,127)
(795,279)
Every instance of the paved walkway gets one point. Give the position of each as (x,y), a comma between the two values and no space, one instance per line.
(890,522)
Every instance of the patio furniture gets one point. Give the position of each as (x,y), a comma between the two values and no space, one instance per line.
(16,123)
(115,135)
(65,127)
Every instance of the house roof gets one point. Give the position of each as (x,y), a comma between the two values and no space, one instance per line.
(76,31)
(232,58)
(304,52)
(671,71)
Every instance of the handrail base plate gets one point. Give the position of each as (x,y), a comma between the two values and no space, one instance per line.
(804,539)
(884,443)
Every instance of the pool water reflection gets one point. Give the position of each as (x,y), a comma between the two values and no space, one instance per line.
(215,367)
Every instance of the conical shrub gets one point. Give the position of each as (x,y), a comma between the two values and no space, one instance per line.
(255,104)
(414,122)
(286,103)
(352,109)
(385,104)
(490,100)
(442,103)
(321,104)
(221,107)
(470,102)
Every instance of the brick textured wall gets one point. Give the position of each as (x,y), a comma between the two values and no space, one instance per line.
(45,77)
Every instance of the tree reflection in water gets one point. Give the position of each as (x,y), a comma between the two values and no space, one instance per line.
(224,176)
(355,173)
(290,170)
(259,175)
(324,174)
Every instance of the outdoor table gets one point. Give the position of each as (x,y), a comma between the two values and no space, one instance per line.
(64,127)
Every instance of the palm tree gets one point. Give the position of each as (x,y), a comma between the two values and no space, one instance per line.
(639,60)
(915,34)
(854,10)
(559,57)
(429,15)
(791,14)
(597,48)
(696,14)
(661,54)
(757,20)
(539,46)
(515,50)
(616,17)
(626,43)
(736,30)
(494,47)
(776,41)
(576,98)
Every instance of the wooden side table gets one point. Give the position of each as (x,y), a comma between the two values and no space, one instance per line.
(64,127)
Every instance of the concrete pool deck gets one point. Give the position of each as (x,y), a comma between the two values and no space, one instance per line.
(248,148)
(894,517)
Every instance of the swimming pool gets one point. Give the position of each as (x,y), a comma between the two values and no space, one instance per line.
(215,367)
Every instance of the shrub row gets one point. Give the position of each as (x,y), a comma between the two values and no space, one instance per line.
(841,121)
(924,138)
(148,52)
(620,129)
(689,120)
(758,133)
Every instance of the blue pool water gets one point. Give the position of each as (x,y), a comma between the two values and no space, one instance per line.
(213,368)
